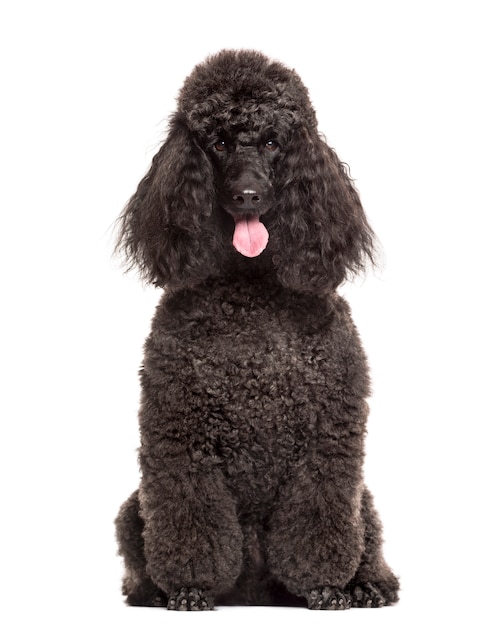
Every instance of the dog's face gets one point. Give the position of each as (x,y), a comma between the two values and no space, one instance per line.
(244,171)
(243,111)
(244,168)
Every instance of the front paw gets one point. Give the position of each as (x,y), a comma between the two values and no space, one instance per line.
(190,599)
(328,599)
(373,595)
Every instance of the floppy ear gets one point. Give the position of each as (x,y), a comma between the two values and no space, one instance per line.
(323,234)
(165,229)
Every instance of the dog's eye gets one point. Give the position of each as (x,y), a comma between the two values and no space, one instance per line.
(220,146)
(271,145)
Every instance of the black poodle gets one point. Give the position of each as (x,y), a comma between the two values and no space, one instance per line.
(254,382)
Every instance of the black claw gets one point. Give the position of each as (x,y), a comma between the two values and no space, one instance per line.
(368,595)
(328,598)
(190,599)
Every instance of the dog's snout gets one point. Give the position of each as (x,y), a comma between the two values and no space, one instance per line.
(246,199)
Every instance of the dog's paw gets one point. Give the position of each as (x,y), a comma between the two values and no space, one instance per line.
(190,599)
(368,595)
(328,598)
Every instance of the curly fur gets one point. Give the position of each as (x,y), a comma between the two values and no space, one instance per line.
(254,382)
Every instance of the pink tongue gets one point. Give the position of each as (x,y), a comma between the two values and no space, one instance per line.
(250,235)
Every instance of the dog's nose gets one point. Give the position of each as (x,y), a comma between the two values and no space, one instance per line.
(246,199)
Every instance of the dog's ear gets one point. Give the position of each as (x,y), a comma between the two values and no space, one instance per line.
(164,230)
(322,229)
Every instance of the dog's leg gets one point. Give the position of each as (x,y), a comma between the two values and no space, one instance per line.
(316,534)
(374,584)
(192,537)
(137,585)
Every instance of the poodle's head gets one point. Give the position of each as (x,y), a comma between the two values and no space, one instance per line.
(244,177)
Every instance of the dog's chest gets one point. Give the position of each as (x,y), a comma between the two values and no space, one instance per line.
(253,371)
(260,416)
(263,381)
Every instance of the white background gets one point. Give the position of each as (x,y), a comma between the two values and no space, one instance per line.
(409,94)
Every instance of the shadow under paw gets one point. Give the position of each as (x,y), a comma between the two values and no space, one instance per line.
(328,599)
(190,599)
(145,594)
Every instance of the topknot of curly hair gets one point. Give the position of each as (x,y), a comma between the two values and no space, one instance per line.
(234,88)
